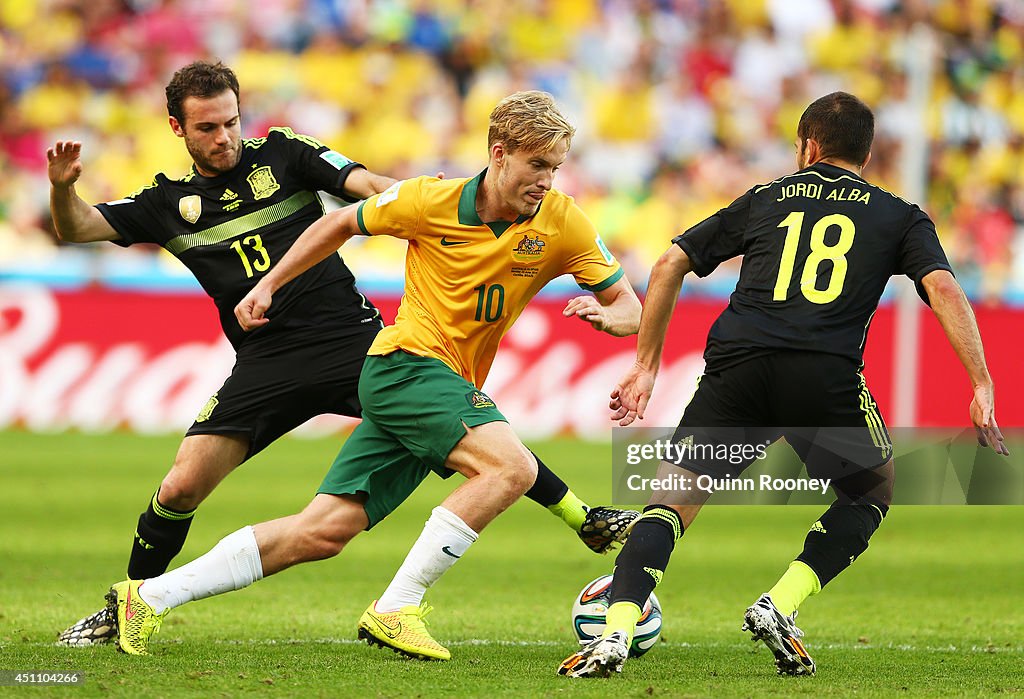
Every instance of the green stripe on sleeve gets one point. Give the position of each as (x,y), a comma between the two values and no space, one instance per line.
(359,218)
(601,286)
(241,225)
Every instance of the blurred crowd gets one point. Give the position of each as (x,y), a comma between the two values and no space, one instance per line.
(680,105)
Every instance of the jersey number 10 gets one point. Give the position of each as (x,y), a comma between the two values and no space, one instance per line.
(820,251)
(490,302)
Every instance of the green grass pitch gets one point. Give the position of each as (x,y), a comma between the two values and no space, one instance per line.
(934,608)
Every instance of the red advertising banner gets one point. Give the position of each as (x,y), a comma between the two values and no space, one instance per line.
(100,359)
(943,390)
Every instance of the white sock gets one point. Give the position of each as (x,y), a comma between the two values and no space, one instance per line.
(444,540)
(232,564)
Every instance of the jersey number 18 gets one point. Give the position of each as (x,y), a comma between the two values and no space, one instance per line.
(820,252)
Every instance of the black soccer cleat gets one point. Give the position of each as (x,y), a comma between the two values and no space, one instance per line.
(606,527)
(99,627)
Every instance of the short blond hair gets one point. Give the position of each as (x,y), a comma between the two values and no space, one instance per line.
(528,121)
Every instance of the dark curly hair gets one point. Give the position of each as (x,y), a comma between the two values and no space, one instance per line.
(198,79)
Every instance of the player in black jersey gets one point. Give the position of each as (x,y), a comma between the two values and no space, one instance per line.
(784,359)
(234,215)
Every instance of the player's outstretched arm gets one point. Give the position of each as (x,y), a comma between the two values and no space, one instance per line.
(74,220)
(956,316)
(615,310)
(317,243)
(630,397)
(362,183)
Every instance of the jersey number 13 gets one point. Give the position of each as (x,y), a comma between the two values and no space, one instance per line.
(262,261)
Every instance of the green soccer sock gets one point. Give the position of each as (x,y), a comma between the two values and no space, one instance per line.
(797,584)
(571,510)
(622,616)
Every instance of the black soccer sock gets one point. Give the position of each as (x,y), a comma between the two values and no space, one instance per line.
(548,489)
(840,535)
(643,559)
(159,537)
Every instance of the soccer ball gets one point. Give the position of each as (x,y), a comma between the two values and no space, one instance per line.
(591,605)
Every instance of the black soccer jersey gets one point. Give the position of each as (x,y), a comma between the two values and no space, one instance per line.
(818,247)
(230,229)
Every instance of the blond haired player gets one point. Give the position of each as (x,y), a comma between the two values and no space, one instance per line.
(479,250)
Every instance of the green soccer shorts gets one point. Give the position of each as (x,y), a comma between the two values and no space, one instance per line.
(415,410)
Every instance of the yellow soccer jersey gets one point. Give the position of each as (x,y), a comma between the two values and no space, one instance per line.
(466,282)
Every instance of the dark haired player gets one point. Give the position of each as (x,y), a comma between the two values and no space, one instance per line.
(818,248)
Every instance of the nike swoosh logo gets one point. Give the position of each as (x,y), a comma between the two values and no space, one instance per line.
(448,243)
(445,549)
(389,631)
(128,611)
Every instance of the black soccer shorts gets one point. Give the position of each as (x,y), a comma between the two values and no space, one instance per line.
(275,387)
(819,402)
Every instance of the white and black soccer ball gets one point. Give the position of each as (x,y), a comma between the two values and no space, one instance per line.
(591,606)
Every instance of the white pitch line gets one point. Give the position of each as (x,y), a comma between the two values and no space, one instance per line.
(902,647)
(485,642)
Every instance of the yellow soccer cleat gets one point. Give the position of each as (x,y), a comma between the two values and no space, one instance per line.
(403,631)
(136,620)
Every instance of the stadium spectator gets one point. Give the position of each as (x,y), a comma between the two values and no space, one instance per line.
(747,67)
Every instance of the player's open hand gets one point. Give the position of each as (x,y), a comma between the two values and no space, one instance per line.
(64,163)
(630,397)
(983,415)
(589,309)
(250,309)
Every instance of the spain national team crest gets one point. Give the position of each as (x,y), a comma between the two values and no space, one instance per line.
(479,399)
(190,208)
(262,182)
(529,249)
(207,410)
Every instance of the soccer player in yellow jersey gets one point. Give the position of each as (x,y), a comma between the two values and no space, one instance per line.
(479,250)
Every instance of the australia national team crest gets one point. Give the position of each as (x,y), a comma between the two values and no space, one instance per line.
(190,208)
(479,399)
(262,182)
(530,248)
